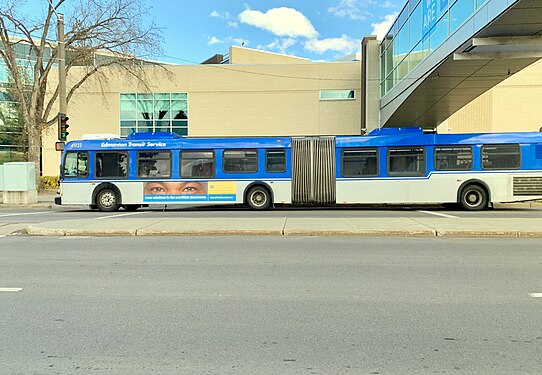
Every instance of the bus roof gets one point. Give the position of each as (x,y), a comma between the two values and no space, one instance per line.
(377,138)
(416,137)
(170,141)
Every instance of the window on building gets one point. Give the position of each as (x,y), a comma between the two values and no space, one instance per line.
(459,12)
(453,158)
(76,164)
(337,94)
(240,161)
(197,164)
(111,165)
(406,161)
(501,157)
(157,112)
(275,161)
(154,164)
(359,162)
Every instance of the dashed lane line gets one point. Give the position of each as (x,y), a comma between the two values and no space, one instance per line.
(10,290)
(438,214)
(536,295)
(27,213)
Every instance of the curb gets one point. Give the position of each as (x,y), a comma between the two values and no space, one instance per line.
(57,232)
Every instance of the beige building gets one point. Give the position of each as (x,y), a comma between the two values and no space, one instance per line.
(261,93)
(513,105)
(258,93)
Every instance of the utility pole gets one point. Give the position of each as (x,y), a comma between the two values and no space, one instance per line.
(62,118)
(61,64)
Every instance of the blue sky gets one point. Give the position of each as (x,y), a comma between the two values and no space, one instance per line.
(315,29)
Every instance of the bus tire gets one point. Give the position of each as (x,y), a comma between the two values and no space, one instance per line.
(107,200)
(258,198)
(473,198)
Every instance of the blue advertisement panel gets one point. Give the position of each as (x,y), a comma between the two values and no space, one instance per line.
(189,191)
(432,10)
(429,14)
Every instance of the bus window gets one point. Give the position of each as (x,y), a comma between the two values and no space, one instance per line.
(501,157)
(154,164)
(240,161)
(75,164)
(197,164)
(275,161)
(358,162)
(111,165)
(406,161)
(453,158)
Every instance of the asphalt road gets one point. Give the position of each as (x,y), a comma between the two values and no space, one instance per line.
(270,306)
(40,215)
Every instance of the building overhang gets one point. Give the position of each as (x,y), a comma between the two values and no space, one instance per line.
(465,66)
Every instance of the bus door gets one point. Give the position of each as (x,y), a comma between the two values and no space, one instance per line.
(313,170)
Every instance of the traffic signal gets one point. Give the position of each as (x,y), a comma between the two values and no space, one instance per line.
(63,127)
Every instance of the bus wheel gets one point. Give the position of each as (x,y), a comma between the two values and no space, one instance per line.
(107,200)
(259,198)
(473,198)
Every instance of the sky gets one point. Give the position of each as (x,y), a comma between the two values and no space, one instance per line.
(320,30)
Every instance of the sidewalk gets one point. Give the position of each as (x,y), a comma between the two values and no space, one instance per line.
(377,227)
(388,227)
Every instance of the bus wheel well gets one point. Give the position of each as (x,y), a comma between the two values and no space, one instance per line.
(105,185)
(262,187)
(479,193)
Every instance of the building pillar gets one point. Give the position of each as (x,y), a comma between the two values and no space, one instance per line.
(370,84)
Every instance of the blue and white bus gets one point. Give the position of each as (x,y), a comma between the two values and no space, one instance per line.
(388,166)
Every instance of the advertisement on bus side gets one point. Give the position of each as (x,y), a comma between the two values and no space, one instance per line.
(189,191)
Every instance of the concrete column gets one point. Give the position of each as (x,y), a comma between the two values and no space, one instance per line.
(370,84)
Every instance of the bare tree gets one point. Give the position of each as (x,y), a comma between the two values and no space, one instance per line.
(99,34)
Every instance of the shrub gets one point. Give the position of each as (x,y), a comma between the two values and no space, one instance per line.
(50,182)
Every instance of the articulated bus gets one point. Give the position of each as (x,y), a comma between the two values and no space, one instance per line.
(388,166)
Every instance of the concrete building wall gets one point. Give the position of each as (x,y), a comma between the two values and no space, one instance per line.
(223,100)
(512,105)
(240,55)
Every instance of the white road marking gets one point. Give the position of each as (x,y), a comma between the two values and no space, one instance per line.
(536,295)
(439,214)
(10,290)
(2,235)
(119,215)
(27,213)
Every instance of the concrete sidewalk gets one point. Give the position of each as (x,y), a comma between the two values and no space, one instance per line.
(46,199)
(388,227)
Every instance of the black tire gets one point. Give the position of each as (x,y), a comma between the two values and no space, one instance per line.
(132,207)
(473,198)
(107,200)
(258,198)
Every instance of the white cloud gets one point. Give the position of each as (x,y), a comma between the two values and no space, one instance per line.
(380,29)
(240,41)
(388,5)
(214,40)
(233,24)
(343,44)
(348,9)
(280,21)
(280,45)
(223,16)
